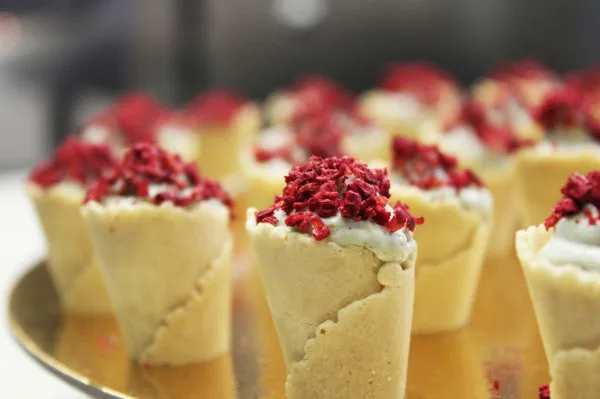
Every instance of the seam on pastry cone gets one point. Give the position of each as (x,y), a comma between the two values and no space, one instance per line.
(335,345)
(277,241)
(564,296)
(152,258)
(540,175)
(575,370)
(72,263)
(207,307)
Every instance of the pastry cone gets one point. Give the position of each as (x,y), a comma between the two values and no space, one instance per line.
(507,212)
(565,299)
(264,182)
(540,175)
(168,274)
(221,145)
(71,258)
(449,263)
(342,316)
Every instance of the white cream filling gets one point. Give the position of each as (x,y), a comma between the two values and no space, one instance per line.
(574,140)
(574,242)
(178,141)
(470,198)
(388,247)
(397,106)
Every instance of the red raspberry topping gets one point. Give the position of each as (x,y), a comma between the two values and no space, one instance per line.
(424,80)
(213,108)
(324,187)
(144,165)
(544,391)
(497,138)
(319,134)
(579,191)
(561,107)
(421,165)
(524,69)
(134,118)
(74,160)
(318,92)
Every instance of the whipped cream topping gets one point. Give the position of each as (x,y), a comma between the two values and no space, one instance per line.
(388,247)
(575,241)
(397,106)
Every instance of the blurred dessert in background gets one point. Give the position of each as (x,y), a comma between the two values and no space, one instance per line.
(133,118)
(161,233)
(410,95)
(452,244)
(337,266)
(213,129)
(511,92)
(57,188)
(312,92)
(488,149)
(571,123)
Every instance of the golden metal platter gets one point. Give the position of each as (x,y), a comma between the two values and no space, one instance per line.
(499,355)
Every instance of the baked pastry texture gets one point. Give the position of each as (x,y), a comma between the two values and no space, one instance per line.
(560,259)
(161,232)
(410,95)
(57,189)
(337,266)
(453,242)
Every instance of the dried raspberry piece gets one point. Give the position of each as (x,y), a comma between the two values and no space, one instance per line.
(213,107)
(497,138)
(316,92)
(424,80)
(424,166)
(544,391)
(562,107)
(144,165)
(316,134)
(74,160)
(324,187)
(578,191)
(134,118)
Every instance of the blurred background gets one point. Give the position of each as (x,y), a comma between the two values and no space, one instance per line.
(61,60)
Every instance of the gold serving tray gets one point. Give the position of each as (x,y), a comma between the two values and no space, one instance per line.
(499,355)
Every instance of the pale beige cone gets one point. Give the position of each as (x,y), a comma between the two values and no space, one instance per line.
(219,155)
(507,209)
(342,316)
(264,182)
(168,274)
(179,140)
(566,300)
(540,176)
(452,244)
(71,260)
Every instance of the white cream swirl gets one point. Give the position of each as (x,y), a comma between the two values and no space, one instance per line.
(575,242)
(388,247)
